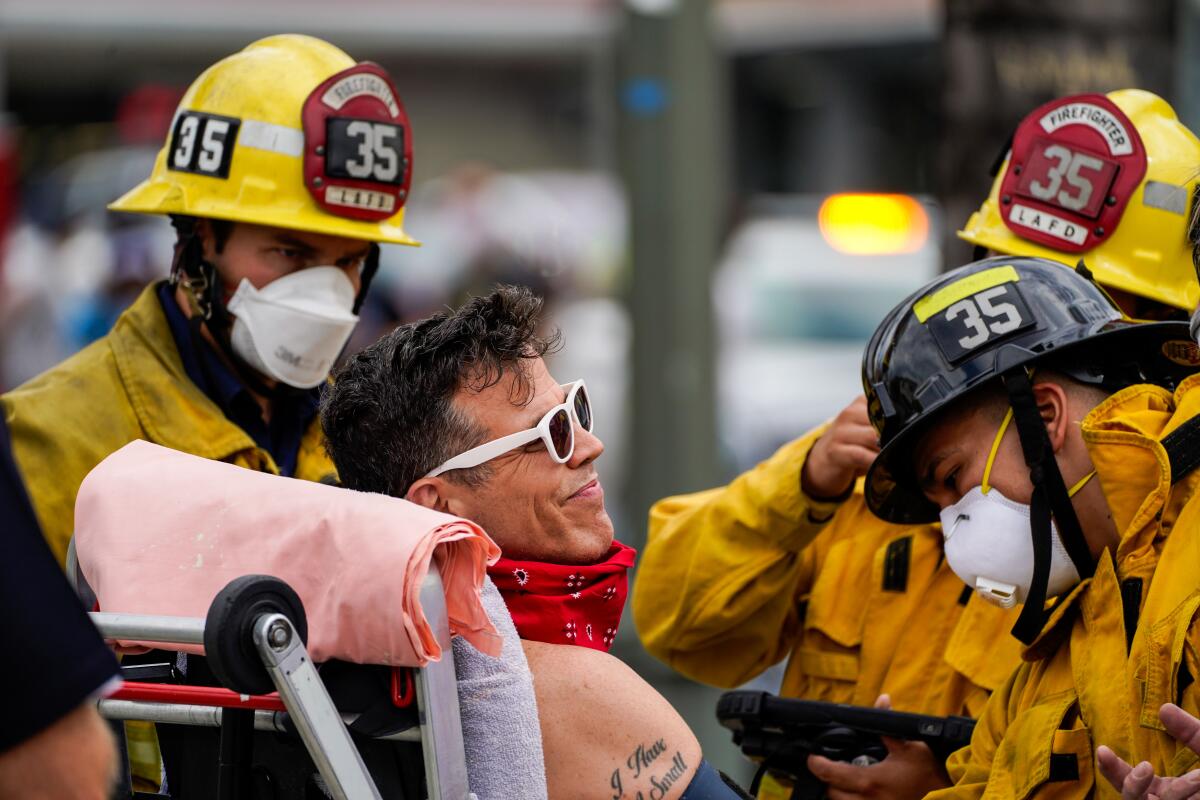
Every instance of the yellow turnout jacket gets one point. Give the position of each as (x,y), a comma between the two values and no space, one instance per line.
(1122,643)
(128,385)
(735,579)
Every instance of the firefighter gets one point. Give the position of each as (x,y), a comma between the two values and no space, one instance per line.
(1053,438)
(285,168)
(788,562)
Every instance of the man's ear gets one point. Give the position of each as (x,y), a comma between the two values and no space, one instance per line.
(1051,399)
(208,239)
(431,493)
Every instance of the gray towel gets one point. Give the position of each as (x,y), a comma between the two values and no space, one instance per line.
(501,734)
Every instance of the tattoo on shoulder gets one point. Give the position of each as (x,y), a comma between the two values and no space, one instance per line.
(647,765)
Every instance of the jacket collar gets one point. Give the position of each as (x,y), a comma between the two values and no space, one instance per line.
(171,409)
(1123,436)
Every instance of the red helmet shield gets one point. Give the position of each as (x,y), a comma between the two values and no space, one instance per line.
(358,146)
(1075,163)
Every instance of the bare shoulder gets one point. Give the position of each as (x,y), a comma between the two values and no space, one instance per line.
(559,660)
(607,733)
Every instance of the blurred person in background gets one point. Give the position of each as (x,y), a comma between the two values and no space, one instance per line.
(286,166)
(69,268)
(788,562)
(8,178)
(53,743)
(31,338)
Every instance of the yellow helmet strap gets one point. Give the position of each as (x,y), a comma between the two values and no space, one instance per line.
(991,459)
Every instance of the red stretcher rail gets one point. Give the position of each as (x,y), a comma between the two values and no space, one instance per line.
(197,696)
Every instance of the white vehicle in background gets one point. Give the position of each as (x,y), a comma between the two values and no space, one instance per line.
(801,287)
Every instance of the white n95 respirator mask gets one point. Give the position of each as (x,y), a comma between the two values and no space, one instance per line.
(989,543)
(989,546)
(293,328)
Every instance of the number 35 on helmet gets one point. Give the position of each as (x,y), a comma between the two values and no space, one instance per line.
(292,133)
(969,327)
(1107,179)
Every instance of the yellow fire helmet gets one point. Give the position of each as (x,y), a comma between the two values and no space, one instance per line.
(1106,179)
(290,133)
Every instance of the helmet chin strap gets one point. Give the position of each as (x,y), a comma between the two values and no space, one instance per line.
(370,267)
(1050,499)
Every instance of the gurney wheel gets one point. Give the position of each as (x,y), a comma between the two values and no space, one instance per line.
(228,629)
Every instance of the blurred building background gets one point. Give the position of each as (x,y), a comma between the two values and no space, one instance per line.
(718,198)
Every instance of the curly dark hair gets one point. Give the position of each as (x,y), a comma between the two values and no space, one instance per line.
(388,417)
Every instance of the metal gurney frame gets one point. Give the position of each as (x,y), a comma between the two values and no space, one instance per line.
(277,644)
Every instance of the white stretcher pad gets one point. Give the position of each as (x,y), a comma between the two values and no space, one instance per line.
(161,532)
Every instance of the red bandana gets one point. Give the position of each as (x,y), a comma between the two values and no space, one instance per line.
(564,603)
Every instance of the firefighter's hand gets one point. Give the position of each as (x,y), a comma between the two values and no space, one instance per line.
(1140,782)
(841,454)
(910,771)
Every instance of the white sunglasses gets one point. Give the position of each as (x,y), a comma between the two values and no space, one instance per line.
(555,429)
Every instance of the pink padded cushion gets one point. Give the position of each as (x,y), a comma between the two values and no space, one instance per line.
(161,532)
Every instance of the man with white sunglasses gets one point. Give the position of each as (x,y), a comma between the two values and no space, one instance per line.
(549,463)
(459,413)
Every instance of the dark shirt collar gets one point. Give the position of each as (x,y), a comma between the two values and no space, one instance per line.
(291,415)
(212,376)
